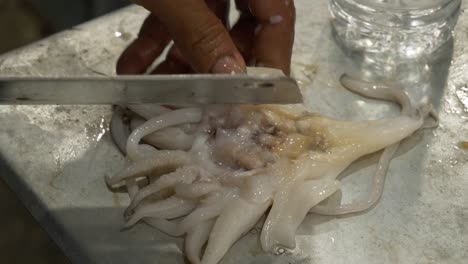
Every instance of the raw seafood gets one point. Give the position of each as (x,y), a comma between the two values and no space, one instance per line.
(210,173)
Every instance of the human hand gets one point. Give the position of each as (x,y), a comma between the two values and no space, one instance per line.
(263,36)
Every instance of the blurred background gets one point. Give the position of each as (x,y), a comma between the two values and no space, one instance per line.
(22,22)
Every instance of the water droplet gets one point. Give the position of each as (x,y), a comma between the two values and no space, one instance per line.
(255,231)
(279,250)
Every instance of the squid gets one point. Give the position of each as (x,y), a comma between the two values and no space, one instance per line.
(210,173)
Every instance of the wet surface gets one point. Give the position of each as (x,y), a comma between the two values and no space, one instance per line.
(22,240)
(61,155)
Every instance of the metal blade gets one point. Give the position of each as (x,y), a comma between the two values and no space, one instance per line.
(186,89)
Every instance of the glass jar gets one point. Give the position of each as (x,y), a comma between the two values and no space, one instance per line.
(398,28)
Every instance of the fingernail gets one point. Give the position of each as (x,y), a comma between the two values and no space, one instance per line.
(227,65)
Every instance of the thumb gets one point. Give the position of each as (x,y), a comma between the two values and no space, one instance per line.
(199,35)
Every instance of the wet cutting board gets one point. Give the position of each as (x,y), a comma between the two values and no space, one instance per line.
(55,157)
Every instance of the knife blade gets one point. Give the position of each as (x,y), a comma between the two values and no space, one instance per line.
(167,89)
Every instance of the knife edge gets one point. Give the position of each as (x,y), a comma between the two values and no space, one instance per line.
(138,89)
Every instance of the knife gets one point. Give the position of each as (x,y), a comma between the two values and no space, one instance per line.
(168,89)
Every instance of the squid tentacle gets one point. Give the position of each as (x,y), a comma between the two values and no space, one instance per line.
(173,118)
(202,183)
(381,92)
(196,239)
(162,160)
(183,175)
(170,208)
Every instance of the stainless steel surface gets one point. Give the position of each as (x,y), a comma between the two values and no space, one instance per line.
(60,153)
(181,89)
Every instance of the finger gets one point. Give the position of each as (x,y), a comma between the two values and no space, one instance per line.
(175,63)
(242,34)
(199,34)
(175,54)
(141,53)
(171,67)
(274,36)
(243,6)
(220,8)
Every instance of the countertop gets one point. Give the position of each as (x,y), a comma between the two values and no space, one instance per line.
(55,157)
